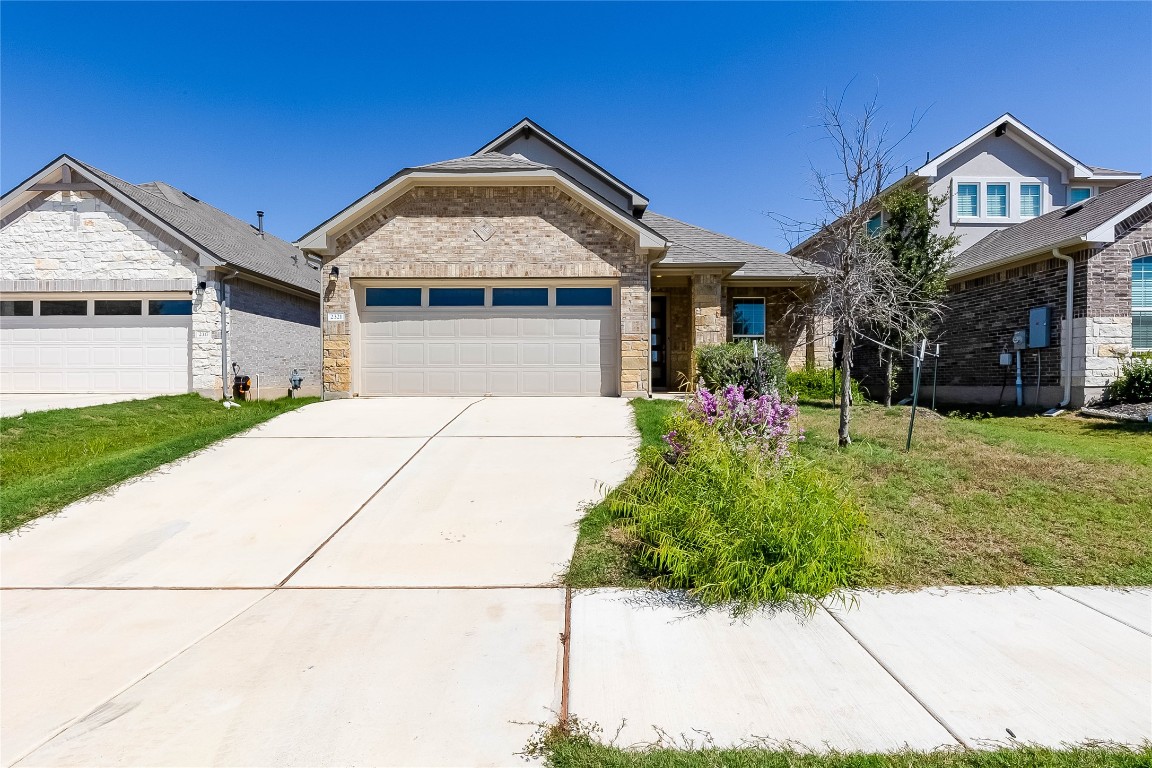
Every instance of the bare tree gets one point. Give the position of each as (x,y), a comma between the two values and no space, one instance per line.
(861,289)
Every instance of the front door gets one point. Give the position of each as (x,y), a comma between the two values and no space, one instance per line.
(659,342)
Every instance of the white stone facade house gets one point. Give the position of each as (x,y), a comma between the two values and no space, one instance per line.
(527,269)
(109,287)
(1039,230)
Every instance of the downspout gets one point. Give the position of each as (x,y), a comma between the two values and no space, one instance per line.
(1066,337)
(224,389)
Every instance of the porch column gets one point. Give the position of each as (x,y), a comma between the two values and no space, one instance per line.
(708,321)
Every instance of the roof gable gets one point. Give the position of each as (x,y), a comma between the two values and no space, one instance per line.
(213,236)
(1010,126)
(533,143)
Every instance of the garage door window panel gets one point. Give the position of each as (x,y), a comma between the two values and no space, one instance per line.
(62,308)
(583,297)
(118,307)
(456,297)
(15,309)
(170,307)
(392,297)
(519,297)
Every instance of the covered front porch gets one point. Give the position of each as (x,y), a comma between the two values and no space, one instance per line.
(693,307)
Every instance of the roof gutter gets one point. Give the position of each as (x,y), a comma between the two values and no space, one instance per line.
(1066,336)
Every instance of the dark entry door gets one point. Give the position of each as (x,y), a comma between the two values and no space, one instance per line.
(659,342)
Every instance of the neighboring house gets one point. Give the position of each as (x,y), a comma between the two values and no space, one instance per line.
(108,286)
(1013,196)
(1102,248)
(527,269)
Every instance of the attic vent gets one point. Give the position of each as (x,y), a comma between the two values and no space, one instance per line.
(1073,209)
(193,199)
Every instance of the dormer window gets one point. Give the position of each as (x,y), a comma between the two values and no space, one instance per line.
(1078,194)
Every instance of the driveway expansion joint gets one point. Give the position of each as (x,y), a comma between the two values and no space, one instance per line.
(375,493)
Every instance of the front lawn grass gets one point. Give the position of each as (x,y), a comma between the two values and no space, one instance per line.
(49,459)
(580,753)
(994,500)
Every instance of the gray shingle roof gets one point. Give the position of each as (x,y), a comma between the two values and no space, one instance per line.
(689,244)
(229,239)
(488,161)
(1051,229)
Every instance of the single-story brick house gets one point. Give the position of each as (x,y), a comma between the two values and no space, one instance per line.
(107,286)
(527,269)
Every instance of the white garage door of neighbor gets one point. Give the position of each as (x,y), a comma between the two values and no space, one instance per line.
(488,350)
(95,353)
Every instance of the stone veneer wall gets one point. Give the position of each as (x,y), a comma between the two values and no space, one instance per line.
(708,319)
(271,332)
(84,236)
(531,232)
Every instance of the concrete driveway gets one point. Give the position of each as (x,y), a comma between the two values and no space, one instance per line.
(16,404)
(356,582)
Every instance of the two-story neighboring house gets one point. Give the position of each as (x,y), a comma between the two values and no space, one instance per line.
(1006,173)
(1042,235)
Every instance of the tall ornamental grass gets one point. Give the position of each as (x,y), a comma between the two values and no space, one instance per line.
(725,511)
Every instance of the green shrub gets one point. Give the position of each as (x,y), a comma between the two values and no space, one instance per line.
(735,363)
(817,384)
(1134,384)
(730,527)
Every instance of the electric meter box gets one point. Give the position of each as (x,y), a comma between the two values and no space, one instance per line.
(1039,322)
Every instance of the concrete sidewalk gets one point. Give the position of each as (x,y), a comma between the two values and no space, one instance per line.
(926,669)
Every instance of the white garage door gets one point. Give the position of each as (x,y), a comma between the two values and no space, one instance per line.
(81,344)
(492,340)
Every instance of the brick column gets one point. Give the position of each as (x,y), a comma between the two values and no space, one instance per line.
(635,353)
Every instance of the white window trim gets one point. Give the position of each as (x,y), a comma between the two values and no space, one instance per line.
(1020,199)
(763,303)
(1013,183)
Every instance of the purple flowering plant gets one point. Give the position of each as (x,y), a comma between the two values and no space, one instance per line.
(761,424)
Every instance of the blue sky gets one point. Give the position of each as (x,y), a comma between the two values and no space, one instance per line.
(299,108)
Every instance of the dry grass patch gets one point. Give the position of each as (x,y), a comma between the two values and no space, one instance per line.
(1007,500)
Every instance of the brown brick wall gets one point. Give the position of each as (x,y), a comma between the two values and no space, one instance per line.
(535,232)
(788,321)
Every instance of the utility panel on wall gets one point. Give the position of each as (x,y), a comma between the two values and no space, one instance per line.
(1039,324)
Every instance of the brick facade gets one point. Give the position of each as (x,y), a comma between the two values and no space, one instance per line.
(983,311)
(271,333)
(477,232)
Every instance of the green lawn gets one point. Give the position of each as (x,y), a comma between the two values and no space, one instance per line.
(49,459)
(995,500)
(579,753)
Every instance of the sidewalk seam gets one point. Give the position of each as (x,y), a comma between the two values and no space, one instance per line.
(124,689)
(891,673)
(374,494)
(1058,591)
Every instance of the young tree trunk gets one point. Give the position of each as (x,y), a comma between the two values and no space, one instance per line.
(887,358)
(845,391)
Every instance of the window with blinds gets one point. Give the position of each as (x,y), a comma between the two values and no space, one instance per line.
(1142,303)
(968,200)
(997,200)
(1030,201)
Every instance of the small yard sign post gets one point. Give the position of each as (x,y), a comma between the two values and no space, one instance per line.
(917,365)
(935,368)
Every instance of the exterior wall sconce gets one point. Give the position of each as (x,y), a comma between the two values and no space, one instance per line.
(333,274)
(200,287)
